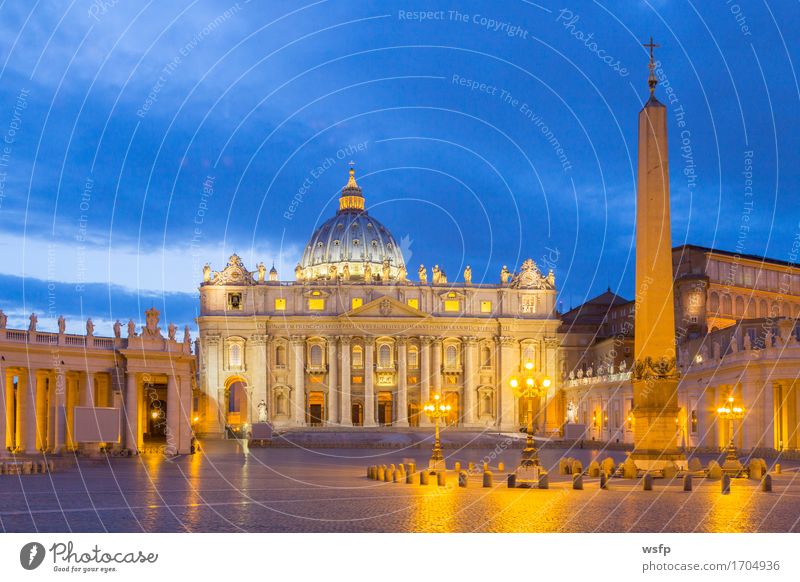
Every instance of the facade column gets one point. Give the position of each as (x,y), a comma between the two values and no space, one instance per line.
(26,420)
(768,411)
(346,404)
(425,378)
(58,413)
(215,413)
(5,422)
(299,392)
(436,366)
(132,419)
(256,364)
(470,376)
(333,382)
(88,399)
(71,402)
(173,415)
(506,407)
(369,381)
(42,389)
(402,382)
(185,416)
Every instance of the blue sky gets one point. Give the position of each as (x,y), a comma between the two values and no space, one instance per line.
(115,117)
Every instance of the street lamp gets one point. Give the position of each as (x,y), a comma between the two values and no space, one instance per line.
(436,409)
(531,385)
(731,413)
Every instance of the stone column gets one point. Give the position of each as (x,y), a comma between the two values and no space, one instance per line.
(71,402)
(333,381)
(215,416)
(508,361)
(173,415)
(470,377)
(42,385)
(257,371)
(768,404)
(402,382)
(27,413)
(58,413)
(425,378)
(369,381)
(10,411)
(346,404)
(132,419)
(298,403)
(436,365)
(185,417)
(5,442)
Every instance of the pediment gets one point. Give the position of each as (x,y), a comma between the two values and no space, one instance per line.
(384,306)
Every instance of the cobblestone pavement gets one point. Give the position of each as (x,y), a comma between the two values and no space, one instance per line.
(290,490)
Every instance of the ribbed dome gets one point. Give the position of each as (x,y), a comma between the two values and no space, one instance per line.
(344,244)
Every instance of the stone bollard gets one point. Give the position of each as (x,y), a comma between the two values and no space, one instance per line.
(577,481)
(594,469)
(501,466)
(647,482)
(457,466)
(726,484)
(387,475)
(603,480)
(766,483)
(381,474)
(687,482)
(471,467)
(544,481)
(463,478)
(392,468)
(777,468)
(423,477)
(487,478)
(412,468)
(397,477)
(485,467)
(577,467)
(512,480)
(369,472)
(409,478)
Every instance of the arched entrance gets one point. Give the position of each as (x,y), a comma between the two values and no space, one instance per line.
(452,399)
(413,414)
(316,409)
(385,408)
(358,414)
(236,404)
(157,419)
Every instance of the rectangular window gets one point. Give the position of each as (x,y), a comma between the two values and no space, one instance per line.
(316,304)
(413,303)
(486,306)
(358,379)
(356,302)
(452,305)
(280,304)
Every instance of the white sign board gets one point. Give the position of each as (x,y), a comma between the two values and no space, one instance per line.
(96,425)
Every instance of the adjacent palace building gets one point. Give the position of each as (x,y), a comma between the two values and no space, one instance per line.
(360,340)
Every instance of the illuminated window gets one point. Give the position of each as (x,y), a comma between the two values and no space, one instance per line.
(316,304)
(413,358)
(486,306)
(280,304)
(452,305)
(358,357)
(413,303)
(450,356)
(235,356)
(384,356)
(356,302)
(694,421)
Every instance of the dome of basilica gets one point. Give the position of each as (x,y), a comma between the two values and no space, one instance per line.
(351,245)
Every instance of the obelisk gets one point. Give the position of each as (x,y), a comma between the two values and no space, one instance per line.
(654,374)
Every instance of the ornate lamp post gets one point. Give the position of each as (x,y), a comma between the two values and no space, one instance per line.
(531,385)
(436,409)
(731,413)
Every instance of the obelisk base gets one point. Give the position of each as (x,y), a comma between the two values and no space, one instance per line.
(655,433)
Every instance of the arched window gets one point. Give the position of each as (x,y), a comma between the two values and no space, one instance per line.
(358,357)
(235,356)
(413,357)
(486,356)
(762,308)
(450,356)
(714,303)
(528,355)
(384,356)
(727,307)
(739,307)
(316,355)
(280,356)
(280,404)
(486,405)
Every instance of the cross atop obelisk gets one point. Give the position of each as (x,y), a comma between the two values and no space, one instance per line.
(652,80)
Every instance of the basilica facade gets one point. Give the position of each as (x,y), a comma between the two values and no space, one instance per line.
(354,341)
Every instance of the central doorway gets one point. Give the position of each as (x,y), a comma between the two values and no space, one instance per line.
(385,408)
(316,408)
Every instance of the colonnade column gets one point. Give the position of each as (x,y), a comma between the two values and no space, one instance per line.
(42,385)
(425,378)
(402,382)
(26,419)
(88,400)
(5,423)
(470,347)
(333,381)
(299,393)
(185,415)
(346,405)
(58,413)
(369,381)
(173,415)
(506,407)
(71,401)
(132,413)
